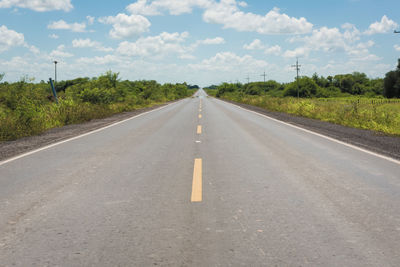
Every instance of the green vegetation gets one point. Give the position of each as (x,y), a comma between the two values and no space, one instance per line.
(351,99)
(317,86)
(28,108)
(392,83)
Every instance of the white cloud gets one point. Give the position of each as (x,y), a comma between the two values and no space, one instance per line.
(62,25)
(10,38)
(273,50)
(156,46)
(255,45)
(331,40)
(207,41)
(125,26)
(326,39)
(384,26)
(351,34)
(242,4)
(367,57)
(34,49)
(298,52)
(186,56)
(141,7)
(228,61)
(38,5)
(107,59)
(87,43)
(174,7)
(397,47)
(90,20)
(213,41)
(81,43)
(60,53)
(228,14)
(258,45)
(54,36)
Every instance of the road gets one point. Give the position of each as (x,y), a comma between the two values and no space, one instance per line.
(173,188)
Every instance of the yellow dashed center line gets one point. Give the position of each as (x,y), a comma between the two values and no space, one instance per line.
(200,116)
(198,129)
(197,185)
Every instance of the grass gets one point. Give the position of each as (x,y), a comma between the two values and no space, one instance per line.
(26,108)
(375,114)
(13,125)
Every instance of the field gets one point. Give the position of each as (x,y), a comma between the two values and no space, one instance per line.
(377,114)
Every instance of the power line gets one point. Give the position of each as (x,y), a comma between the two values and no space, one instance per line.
(297,66)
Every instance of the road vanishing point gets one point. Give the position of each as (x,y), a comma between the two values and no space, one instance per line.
(200,182)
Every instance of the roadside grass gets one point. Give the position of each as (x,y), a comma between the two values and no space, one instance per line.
(27,109)
(375,114)
(16,125)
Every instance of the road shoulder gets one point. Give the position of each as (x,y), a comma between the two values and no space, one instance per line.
(370,140)
(13,148)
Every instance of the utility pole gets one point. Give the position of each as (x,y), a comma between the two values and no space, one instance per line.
(55,73)
(248,79)
(264,75)
(297,66)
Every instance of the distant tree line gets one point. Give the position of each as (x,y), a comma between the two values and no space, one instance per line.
(341,85)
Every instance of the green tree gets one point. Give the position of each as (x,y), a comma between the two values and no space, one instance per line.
(307,88)
(108,80)
(226,88)
(391,83)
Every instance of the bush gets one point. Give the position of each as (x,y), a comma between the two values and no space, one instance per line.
(307,88)
(27,108)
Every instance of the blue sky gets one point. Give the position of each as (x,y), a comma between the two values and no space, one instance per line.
(198,41)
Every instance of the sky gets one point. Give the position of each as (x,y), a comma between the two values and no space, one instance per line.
(200,42)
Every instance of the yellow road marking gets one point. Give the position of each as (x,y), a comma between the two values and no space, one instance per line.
(197,185)
(200,116)
(198,129)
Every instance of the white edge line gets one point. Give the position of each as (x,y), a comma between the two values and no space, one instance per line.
(321,135)
(82,135)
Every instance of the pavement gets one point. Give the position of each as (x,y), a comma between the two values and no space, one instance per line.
(172,188)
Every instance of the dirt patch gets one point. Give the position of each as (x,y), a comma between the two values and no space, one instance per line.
(9,149)
(370,140)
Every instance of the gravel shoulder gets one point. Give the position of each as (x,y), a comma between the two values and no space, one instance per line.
(13,148)
(370,140)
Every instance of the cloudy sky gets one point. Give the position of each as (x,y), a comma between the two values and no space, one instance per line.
(198,41)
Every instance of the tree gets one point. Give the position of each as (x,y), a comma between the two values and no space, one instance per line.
(2,76)
(307,88)
(226,88)
(391,83)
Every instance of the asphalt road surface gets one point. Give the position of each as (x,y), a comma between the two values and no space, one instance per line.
(200,182)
